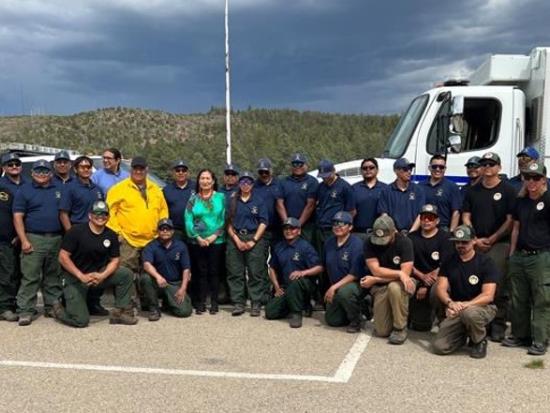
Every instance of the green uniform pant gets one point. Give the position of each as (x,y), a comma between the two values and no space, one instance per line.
(241,263)
(75,292)
(498,254)
(530,294)
(471,322)
(308,231)
(344,307)
(153,292)
(8,274)
(296,295)
(40,265)
(321,235)
(391,308)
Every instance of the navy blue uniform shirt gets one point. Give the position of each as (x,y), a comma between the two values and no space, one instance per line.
(446,196)
(331,199)
(169,262)
(177,199)
(344,260)
(402,206)
(77,199)
(12,186)
(366,204)
(296,191)
(247,215)
(269,193)
(40,206)
(289,257)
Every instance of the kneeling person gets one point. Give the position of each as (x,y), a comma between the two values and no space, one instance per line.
(167,273)
(90,257)
(466,286)
(293,265)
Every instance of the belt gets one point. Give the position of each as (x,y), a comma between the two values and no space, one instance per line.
(46,234)
(245,231)
(533,252)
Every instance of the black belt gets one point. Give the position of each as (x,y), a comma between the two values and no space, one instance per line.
(46,234)
(533,252)
(245,231)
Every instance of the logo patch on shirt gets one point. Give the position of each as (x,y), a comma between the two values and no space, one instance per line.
(473,279)
(333,194)
(254,210)
(4,196)
(435,255)
(296,256)
(412,196)
(497,196)
(396,260)
(345,256)
(304,186)
(540,206)
(99,196)
(439,192)
(57,194)
(106,243)
(177,256)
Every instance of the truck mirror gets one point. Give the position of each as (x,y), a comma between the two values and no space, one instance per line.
(456,126)
(457,105)
(455,143)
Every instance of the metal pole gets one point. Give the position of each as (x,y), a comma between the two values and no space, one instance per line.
(227,86)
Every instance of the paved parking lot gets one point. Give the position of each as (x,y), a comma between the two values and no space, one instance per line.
(227,364)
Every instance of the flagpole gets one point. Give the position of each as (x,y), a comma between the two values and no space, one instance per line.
(227,86)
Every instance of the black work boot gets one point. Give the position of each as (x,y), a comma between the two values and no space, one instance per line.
(479,350)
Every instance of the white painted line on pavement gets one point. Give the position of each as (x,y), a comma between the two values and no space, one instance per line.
(342,375)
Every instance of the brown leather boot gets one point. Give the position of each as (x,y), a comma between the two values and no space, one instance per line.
(123,316)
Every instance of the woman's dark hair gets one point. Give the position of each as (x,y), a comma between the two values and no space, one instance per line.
(211,172)
(81,159)
(372,160)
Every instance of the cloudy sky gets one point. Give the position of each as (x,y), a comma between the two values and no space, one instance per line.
(348,56)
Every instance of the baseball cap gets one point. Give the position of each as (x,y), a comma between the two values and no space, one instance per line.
(402,163)
(246,175)
(100,207)
(230,167)
(298,157)
(42,163)
(534,169)
(264,164)
(180,163)
(473,161)
(490,156)
(343,216)
(325,168)
(530,152)
(382,230)
(292,222)
(463,233)
(429,209)
(10,156)
(139,161)
(62,155)
(165,222)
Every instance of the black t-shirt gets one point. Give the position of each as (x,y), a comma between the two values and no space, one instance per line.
(489,207)
(392,255)
(90,252)
(534,222)
(7,231)
(429,253)
(467,278)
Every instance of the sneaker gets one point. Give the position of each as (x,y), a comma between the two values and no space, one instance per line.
(154,315)
(479,350)
(255,311)
(295,320)
(237,310)
(9,315)
(123,316)
(398,336)
(354,327)
(537,349)
(98,309)
(25,320)
(512,341)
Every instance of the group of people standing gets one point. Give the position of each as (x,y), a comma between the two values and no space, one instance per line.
(406,254)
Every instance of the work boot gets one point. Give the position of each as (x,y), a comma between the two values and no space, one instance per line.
(214,308)
(398,336)
(497,332)
(123,316)
(308,309)
(237,310)
(25,320)
(537,349)
(295,320)
(201,308)
(354,327)
(9,315)
(479,350)
(98,309)
(57,311)
(255,311)
(512,341)
(154,315)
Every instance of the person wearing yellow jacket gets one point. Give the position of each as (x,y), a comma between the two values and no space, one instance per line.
(136,205)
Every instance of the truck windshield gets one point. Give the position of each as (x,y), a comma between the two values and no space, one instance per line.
(401,135)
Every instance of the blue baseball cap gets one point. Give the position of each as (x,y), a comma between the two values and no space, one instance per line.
(246,176)
(402,163)
(231,167)
(264,164)
(8,157)
(530,152)
(42,164)
(62,155)
(298,157)
(343,216)
(165,222)
(180,163)
(326,168)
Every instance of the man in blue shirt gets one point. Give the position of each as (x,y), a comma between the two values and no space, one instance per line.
(442,193)
(367,194)
(111,173)
(344,263)
(8,256)
(177,193)
(473,170)
(230,180)
(36,220)
(167,273)
(403,199)
(292,270)
(12,166)
(62,169)
(269,189)
(525,157)
(299,196)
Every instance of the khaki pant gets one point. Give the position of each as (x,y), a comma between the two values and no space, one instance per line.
(391,308)
(130,257)
(471,323)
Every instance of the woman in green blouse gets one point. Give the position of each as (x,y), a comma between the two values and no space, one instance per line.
(205,225)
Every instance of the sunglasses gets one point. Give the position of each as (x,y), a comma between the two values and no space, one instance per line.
(180,170)
(41,172)
(297,164)
(165,229)
(263,172)
(488,164)
(428,217)
(438,167)
(100,214)
(473,166)
(246,182)
(339,224)
(14,164)
(535,178)
(407,169)
(368,168)
(231,173)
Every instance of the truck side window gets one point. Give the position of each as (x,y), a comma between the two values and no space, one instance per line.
(481,125)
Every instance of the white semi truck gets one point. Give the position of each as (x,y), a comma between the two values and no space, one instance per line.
(504,107)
